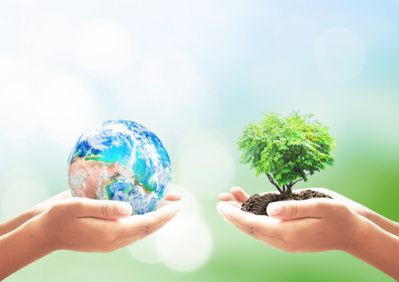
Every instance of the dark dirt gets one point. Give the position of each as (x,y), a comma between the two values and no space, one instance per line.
(257,204)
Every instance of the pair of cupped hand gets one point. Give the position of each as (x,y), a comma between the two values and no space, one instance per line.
(82,224)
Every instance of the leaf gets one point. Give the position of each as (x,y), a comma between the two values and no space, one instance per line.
(288,148)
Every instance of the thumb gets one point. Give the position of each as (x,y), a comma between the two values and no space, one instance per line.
(102,209)
(298,209)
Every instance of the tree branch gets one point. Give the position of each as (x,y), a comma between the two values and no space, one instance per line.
(271,179)
(291,184)
(295,182)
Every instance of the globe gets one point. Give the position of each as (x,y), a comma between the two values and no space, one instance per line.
(120,160)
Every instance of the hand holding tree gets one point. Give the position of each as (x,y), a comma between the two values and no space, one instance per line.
(318,225)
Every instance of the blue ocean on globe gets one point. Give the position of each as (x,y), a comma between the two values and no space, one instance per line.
(120,160)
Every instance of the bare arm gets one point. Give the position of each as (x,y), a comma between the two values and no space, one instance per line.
(21,247)
(318,225)
(383,222)
(77,224)
(14,223)
(378,248)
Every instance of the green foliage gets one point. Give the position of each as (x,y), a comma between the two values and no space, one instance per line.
(286,149)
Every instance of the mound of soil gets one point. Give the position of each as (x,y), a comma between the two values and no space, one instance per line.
(257,204)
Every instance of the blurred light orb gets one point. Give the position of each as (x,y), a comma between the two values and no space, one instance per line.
(18,107)
(340,54)
(168,82)
(185,244)
(152,249)
(205,164)
(120,160)
(60,117)
(104,47)
(20,189)
(145,251)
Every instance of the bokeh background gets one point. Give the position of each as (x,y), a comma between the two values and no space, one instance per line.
(196,72)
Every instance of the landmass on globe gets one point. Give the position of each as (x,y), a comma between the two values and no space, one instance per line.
(120,160)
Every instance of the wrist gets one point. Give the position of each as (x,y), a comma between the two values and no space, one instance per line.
(383,222)
(14,223)
(37,229)
(359,235)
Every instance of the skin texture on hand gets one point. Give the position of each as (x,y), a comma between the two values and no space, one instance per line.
(381,221)
(13,223)
(238,195)
(78,224)
(316,225)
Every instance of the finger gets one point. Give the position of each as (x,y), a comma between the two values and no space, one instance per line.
(63,195)
(226,197)
(239,193)
(144,225)
(251,224)
(84,207)
(315,208)
(234,203)
(60,196)
(172,197)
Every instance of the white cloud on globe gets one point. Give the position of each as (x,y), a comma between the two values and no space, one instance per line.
(340,54)
(204,164)
(104,47)
(20,189)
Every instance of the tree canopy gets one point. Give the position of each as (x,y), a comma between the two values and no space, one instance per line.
(288,149)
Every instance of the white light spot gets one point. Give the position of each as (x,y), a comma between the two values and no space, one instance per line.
(145,250)
(340,54)
(189,201)
(67,108)
(185,243)
(104,47)
(18,111)
(168,91)
(20,190)
(204,164)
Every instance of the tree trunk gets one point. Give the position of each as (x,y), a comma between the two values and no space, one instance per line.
(271,179)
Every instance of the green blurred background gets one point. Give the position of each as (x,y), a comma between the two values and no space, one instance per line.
(196,72)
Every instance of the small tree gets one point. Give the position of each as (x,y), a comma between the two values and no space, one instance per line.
(287,150)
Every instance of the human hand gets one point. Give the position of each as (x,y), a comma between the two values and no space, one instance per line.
(296,226)
(13,223)
(46,204)
(79,224)
(318,225)
(238,196)
(82,224)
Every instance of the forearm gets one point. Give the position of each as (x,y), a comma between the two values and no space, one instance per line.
(20,247)
(377,247)
(383,222)
(10,225)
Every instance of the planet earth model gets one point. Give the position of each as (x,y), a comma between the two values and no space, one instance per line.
(120,160)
